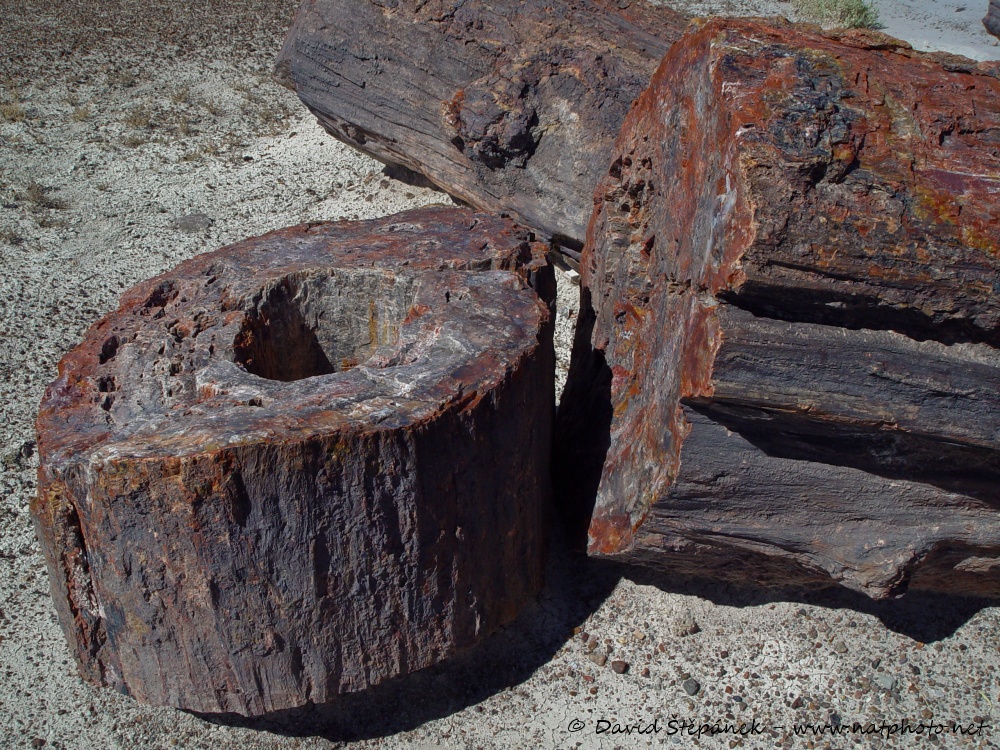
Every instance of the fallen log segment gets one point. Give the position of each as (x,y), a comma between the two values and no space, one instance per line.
(303,464)
(511,106)
(799,238)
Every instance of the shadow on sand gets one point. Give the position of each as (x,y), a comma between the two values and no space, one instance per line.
(576,586)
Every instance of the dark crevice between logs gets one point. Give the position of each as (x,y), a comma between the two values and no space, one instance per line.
(583,437)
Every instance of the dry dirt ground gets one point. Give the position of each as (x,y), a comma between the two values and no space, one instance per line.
(134,135)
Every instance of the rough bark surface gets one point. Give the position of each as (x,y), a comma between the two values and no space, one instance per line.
(799,237)
(303,464)
(992,19)
(511,106)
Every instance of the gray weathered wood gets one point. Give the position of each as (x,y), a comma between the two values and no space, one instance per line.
(876,379)
(825,517)
(511,106)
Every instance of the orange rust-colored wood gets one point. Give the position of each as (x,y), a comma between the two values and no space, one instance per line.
(844,185)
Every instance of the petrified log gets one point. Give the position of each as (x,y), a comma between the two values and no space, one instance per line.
(992,19)
(793,275)
(303,464)
(511,106)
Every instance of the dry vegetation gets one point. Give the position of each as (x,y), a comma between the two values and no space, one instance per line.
(851,14)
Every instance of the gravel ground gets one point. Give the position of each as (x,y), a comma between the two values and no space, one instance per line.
(135,135)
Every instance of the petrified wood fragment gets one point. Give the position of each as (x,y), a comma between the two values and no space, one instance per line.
(793,275)
(511,106)
(992,19)
(303,464)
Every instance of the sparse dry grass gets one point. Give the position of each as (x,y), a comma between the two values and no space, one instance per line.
(134,140)
(139,118)
(38,196)
(13,112)
(181,95)
(10,236)
(850,14)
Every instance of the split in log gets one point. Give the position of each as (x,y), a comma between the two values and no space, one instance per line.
(303,464)
(798,241)
(511,106)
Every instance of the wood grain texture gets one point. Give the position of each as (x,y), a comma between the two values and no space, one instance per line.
(511,106)
(804,224)
(303,464)
(855,526)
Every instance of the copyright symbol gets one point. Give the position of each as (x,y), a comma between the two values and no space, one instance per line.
(575,725)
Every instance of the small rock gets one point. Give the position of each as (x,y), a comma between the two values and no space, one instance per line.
(686,625)
(645,672)
(619,666)
(691,686)
(885,681)
(840,647)
(192,223)
(591,644)
(598,659)
(797,703)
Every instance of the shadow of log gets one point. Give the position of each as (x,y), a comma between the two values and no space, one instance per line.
(741,578)
(576,586)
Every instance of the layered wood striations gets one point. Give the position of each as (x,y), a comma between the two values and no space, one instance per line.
(511,106)
(303,464)
(793,287)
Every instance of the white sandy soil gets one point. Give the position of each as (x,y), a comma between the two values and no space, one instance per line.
(116,120)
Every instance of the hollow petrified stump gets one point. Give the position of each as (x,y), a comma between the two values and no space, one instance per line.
(303,464)
(511,105)
(793,275)
(992,19)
